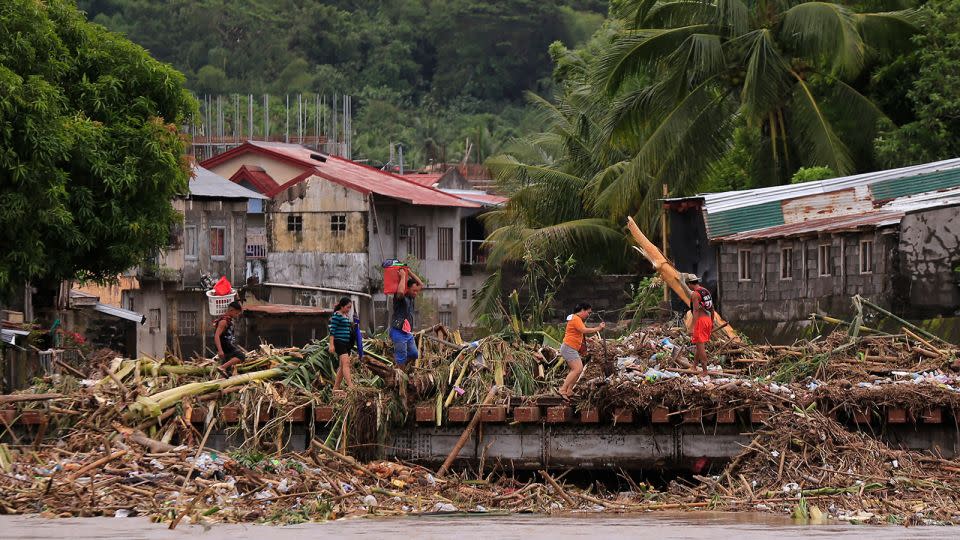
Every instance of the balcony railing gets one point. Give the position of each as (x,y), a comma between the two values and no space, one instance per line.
(473,252)
(256,245)
(256,251)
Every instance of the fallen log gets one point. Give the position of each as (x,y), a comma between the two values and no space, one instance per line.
(20,398)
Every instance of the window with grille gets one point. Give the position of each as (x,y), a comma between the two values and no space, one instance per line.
(445,243)
(417,241)
(446,318)
(338,223)
(295,223)
(823,260)
(218,248)
(186,323)
(743,263)
(866,256)
(464,295)
(190,242)
(786,263)
(154,319)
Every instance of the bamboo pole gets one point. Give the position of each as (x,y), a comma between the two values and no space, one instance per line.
(905,323)
(467,432)
(670,275)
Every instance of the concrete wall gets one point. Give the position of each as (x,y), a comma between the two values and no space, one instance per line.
(929,258)
(766,296)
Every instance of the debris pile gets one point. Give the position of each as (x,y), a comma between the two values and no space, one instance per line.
(125,437)
(809,464)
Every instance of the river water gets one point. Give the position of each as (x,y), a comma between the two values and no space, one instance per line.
(702,525)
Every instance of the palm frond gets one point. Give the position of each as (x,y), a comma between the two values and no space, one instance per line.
(826,33)
(640,49)
(767,77)
(817,137)
(889,32)
(680,13)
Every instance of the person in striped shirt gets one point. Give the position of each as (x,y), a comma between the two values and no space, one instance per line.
(341,341)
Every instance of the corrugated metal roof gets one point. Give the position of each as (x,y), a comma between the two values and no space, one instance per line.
(477,196)
(718,202)
(286,309)
(363,178)
(427,179)
(932,199)
(206,183)
(769,214)
(891,189)
(10,336)
(120,313)
(827,225)
(738,211)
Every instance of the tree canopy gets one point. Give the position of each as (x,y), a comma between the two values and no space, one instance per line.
(90,151)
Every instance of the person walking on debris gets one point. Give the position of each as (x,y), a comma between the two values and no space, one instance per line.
(573,344)
(225,338)
(341,341)
(401,325)
(701,303)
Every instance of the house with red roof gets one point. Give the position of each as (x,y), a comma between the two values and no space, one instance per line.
(330,223)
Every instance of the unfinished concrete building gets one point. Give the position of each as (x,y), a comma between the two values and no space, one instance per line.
(782,253)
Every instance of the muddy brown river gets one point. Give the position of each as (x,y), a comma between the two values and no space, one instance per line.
(521,527)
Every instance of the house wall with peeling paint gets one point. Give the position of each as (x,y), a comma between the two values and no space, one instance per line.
(929,261)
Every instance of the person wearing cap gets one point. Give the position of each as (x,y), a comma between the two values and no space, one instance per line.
(701,303)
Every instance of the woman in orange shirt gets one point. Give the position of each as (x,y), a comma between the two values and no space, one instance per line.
(572,342)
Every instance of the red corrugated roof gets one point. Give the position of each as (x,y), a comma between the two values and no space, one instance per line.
(428,179)
(346,173)
(868,220)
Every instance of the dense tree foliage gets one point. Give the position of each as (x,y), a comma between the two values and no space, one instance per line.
(921,91)
(448,70)
(90,155)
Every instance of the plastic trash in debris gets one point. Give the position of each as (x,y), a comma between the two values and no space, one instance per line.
(431,480)
(444,507)
(370,501)
(474,344)
(261,495)
(459,391)
(896,464)
(347,488)
(667,344)
(790,487)
(654,374)
(480,509)
(122,513)
(284,486)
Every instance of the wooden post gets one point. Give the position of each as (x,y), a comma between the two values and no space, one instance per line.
(467,432)
(663,235)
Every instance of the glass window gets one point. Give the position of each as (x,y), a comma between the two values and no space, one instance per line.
(218,248)
(786,263)
(823,260)
(743,263)
(866,256)
(338,223)
(294,223)
(190,241)
(445,243)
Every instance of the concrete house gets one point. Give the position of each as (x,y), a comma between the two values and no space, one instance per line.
(330,223)
(211,240)
(781,253)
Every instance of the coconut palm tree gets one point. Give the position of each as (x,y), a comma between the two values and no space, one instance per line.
(684,73)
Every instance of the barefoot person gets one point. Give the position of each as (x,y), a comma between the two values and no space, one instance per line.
(701,303)
(225,338)
(341,332)
(572,342)
(401,324)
